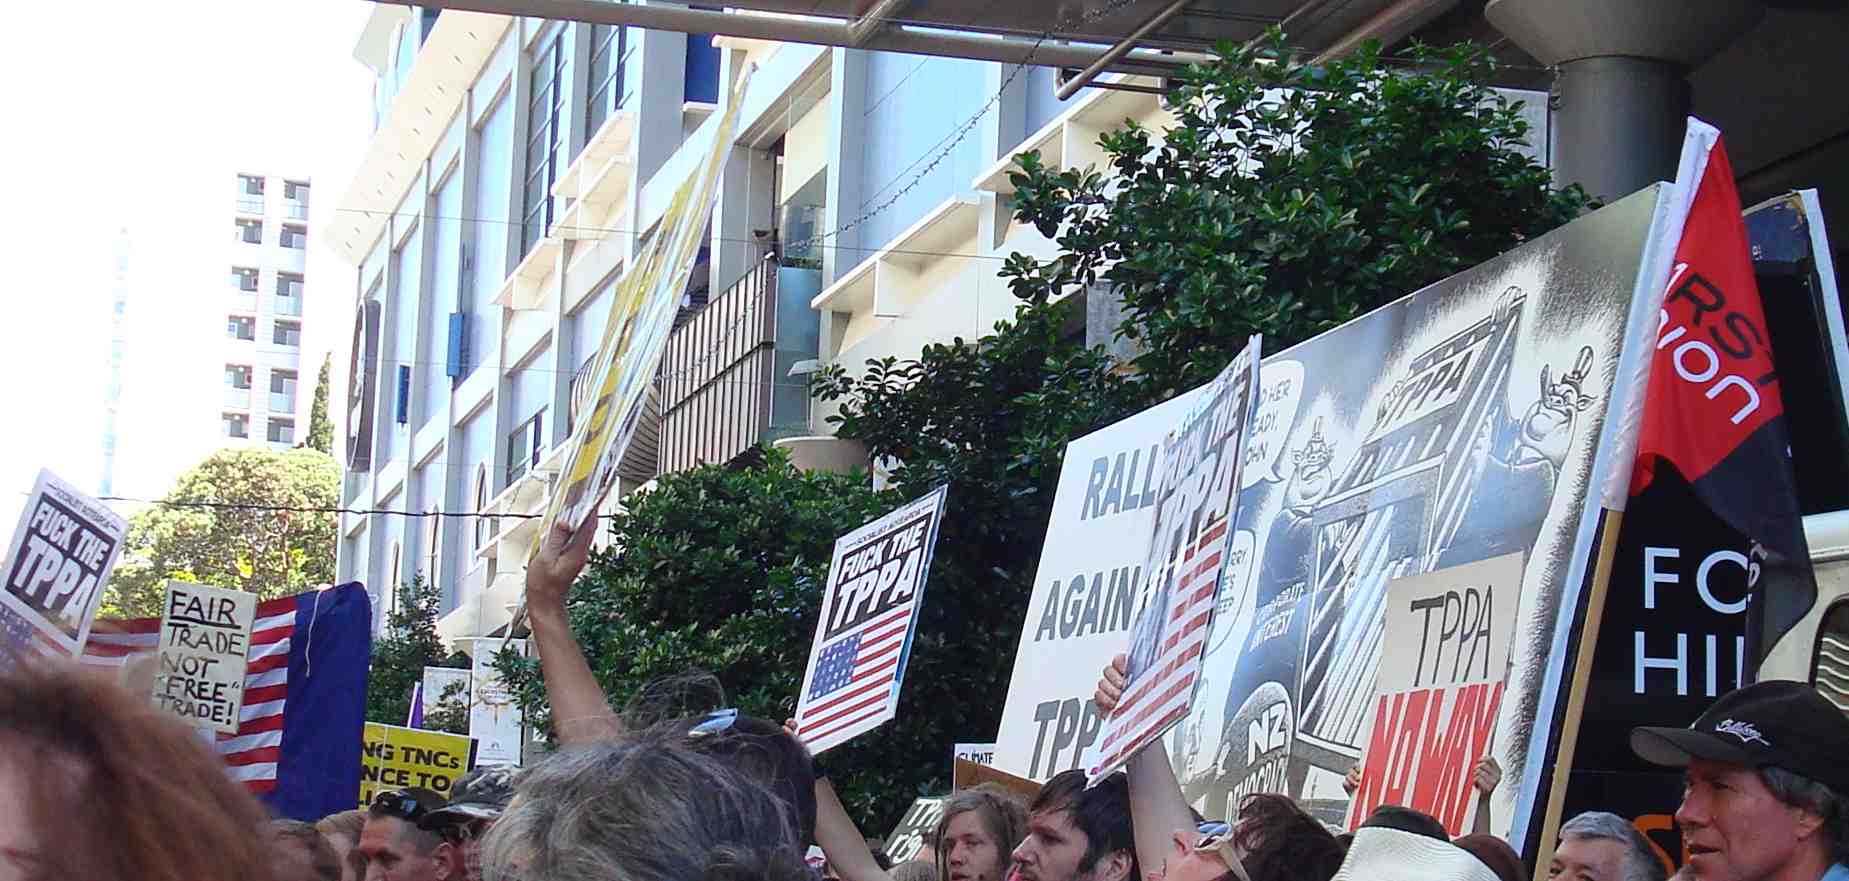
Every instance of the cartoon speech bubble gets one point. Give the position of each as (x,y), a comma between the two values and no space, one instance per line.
(1280,390)
(1232,612)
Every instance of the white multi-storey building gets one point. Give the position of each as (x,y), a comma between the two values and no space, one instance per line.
(263,315)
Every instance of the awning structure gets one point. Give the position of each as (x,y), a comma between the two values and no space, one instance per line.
(1084,37)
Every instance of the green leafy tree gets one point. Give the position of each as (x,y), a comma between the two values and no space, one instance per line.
(448,711)
(251,519)
(721,569)
(409,644)
(1289,198)
(320,427)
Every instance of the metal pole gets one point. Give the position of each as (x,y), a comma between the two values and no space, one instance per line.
(1123,47)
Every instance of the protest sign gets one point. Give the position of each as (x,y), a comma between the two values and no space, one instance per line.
(59,559)
(907,841)
(1196,498)
(864,635)
(1439,689)
(979,753)
(441,687)
(646,300)
(495,720)
(204,652)
(1087,591)
(393,757)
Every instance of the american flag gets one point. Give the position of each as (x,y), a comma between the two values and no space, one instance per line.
(1159,694)
(304,696)
(855,677)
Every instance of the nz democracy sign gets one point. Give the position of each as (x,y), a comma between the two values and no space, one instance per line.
(1466,422)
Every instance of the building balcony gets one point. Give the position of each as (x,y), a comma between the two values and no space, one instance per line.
(292,210)
(249,206)
(237,398)
(282,402)
(725,383)
(290,306)
(244,302)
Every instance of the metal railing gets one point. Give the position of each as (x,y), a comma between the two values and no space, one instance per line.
(250,204)
(237,398)
(295,210)
(282,402)
(291,306)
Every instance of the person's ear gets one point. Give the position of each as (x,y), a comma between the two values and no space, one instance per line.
(1808,822)
(448,862)
(1116,866)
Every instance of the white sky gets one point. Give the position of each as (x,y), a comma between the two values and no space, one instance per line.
(138,116)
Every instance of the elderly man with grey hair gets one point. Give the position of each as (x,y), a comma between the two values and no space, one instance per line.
(1597,846)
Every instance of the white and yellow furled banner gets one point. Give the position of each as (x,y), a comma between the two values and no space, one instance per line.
(641,319)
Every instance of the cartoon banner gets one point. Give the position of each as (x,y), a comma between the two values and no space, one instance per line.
(1088,589)
(204,654)
(1189,541)
(59,560)
(864,635)
(1439,689)
(495,720)
(1463,423)
(392,757)
(907,841)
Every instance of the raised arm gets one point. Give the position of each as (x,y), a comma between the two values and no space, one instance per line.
(580,711)
(1157,808)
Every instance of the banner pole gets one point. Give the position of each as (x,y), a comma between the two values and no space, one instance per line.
(1611,522)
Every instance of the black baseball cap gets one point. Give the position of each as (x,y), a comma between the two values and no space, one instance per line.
(1776,723)
(480,794)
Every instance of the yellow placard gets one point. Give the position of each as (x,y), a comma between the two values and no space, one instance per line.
(394,757)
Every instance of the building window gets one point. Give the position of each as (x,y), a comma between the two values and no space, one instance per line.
(237,425)
(433,535)
(282,431)
(250,231)
(545,132)
(524,446)
(294,236)
(237,376)
(611,46)
(250,184)
(244,278)
(393,575)
(483,525)
(288,284)
(295,191)
(241,327)
(287,333)
(282,391)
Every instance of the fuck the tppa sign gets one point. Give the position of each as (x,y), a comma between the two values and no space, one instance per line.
(62,551)
(204,654)
(1439,689)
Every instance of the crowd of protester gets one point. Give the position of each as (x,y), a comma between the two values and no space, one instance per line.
(97,784)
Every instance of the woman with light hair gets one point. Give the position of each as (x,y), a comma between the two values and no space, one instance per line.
(1599,846)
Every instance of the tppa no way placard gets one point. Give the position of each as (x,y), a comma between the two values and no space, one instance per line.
(204,653)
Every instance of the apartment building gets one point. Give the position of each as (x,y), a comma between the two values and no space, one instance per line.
(263,313)
(518,163)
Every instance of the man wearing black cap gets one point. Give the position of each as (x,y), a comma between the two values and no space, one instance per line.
(1768,770)
(477,800)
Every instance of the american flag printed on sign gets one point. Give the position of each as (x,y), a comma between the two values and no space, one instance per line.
(857,665)
(298,740)
(1169,639)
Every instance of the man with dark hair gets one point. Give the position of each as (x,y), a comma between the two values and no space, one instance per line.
(1079,834)
(476,801)
(392,845)
(1766,789)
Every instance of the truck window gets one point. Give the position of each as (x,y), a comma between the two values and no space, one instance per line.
(1830,662)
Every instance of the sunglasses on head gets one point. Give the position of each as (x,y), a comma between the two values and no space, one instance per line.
(713,723)
(402,805)
(1220,841)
